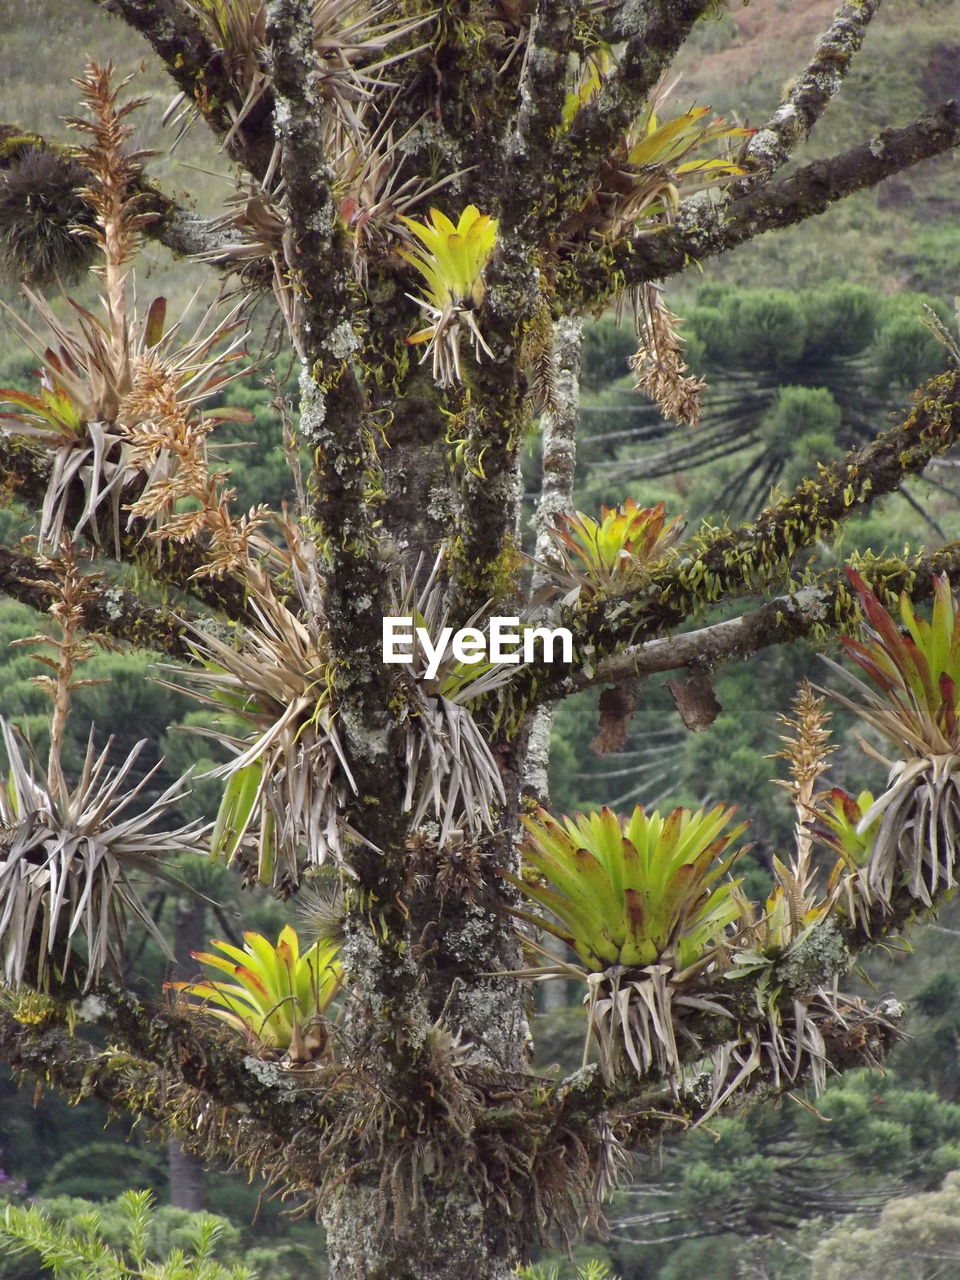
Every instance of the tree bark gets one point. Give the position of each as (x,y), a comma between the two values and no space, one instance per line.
(185,1173)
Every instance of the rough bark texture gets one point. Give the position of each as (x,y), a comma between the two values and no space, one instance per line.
(185,1172)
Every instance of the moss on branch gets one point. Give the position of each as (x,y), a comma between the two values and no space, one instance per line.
(723,564)
(826,603)
(586,276)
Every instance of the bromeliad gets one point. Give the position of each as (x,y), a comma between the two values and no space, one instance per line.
(608,554)
(632,892)
(451,259)
(278,996)
(914,705)
(645,903)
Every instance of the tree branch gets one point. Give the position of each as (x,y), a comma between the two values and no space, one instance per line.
(180,230)
(186,1079)
(642,1111)
(114,612)
(753,557)
(541,94)
(828,601)
(560,424)
(199,70)
(345,481)
(705,228)
(771,146)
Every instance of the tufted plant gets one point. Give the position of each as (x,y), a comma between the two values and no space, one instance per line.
(645,903)
(72,861)
(118,405)
(451,258)
(452,776)
(609,554)
(656,162)
(912,702)
(287,781)
(278,995)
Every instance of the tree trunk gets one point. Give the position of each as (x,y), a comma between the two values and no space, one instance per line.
(185,1172)
(186,1178)
(456,1240)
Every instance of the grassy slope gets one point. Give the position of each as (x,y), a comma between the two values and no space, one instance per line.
(907,234)
(903,235)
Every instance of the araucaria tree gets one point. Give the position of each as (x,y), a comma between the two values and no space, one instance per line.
(433,194)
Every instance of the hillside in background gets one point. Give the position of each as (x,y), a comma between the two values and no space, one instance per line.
(885,238)
(909,61)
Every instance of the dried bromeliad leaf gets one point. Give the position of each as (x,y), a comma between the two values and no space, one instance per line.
(914,704)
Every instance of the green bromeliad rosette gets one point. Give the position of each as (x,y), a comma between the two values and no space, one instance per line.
(610,554)
(646,903)
(277,997)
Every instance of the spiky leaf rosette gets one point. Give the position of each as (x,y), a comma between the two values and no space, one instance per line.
(451,259)
(451,773)
(610,553)
(915,668)
(766,933)
(657,163)
(638,1019)
(840,827)
(41,212)
(109,414)
(375,195)
(69,864)
(671,146)
(289,779)
(914,705)
(278,996)
(643,903)
(800,1041)
(840,819)
(632,892)
(351,41)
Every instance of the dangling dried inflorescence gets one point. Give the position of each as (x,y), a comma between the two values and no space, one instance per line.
(661,370)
